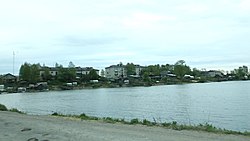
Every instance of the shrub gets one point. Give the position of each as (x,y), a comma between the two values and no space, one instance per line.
(3,108)
(146,122)
(134,121)
(15,110)
(174,123)
(209,128)
(84,116)
(175,126)
(171,125)
(55,114)
(166,124)
(109,120)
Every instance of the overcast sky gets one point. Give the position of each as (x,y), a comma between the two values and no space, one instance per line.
(213,34)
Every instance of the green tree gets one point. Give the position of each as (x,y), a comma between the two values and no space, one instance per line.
(46,75)
(25,72)
(130,67)
(180,62)
(93,75)
(30,73)
(85,78)
(151,70)
(35,73)
(58,65)
(196,72)
(146,77)
(71,65)
(154,69)
(180,69)
(166,67)
(240,74)
(66,74)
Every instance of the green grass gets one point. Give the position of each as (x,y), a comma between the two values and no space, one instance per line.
(172,125)
(3,108)
(15,110)
(168,125)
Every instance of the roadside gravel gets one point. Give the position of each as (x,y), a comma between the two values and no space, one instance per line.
(21,127)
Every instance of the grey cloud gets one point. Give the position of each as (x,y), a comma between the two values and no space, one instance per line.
(81,41)
(68,35)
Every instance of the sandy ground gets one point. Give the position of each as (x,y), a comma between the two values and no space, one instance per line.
(19,127)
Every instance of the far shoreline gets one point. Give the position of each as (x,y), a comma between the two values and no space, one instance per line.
(93,86)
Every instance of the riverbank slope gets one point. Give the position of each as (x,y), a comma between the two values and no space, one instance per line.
(15,126)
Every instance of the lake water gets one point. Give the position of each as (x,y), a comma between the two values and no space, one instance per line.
(224,104)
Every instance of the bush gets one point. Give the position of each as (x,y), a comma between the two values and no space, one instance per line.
(134,121)
(174,123)
(3,108)
(175,126)
(209,128)
(109,120)
(84,116)
(55,114)
(15,110)
(146,122)
(166,124)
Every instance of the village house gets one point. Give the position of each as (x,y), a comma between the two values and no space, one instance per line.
(214,73)
(85,71)
(53,71)
(9,78)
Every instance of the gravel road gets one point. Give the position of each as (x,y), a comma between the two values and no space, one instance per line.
(21,127)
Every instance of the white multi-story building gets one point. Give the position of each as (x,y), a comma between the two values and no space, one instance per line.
(138,70)
(115,72)
(120,71)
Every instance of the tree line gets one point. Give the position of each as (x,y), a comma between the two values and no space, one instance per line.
(180,69)
(34,73)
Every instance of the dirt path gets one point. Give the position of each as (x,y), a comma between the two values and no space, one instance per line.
(18,127)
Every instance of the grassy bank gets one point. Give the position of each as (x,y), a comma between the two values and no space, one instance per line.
(4,108)
(172,125)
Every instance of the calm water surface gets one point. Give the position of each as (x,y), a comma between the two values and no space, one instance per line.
(225,104)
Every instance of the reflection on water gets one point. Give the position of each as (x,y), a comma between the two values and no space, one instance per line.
(224,105)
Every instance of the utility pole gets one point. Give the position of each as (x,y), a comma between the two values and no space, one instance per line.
(13,62)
